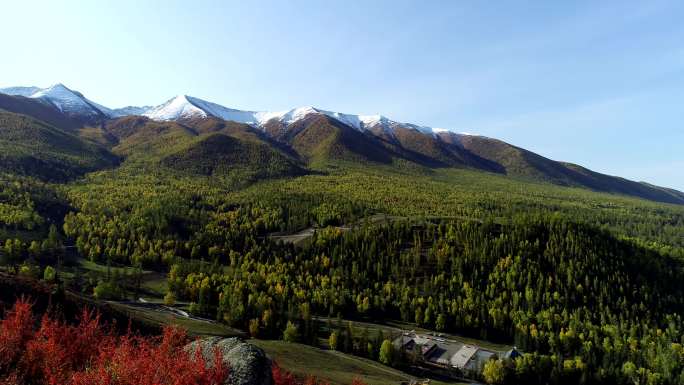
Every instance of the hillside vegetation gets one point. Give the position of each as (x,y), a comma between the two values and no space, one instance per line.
(219,154)
(34,148)
(588,284)
(519,162)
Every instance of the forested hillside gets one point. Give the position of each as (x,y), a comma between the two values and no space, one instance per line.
(516,161)
(33,148)
(589,286)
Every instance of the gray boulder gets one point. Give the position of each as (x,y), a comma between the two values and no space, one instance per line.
(248,364)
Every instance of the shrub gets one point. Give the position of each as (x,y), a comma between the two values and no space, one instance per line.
(332,341)
(387,352)
(49,274)
(254,327)
(169,298)
(107,291)
(15,331)
(493,372)
(89,353)
(291,334)
(29,270)
(194,308)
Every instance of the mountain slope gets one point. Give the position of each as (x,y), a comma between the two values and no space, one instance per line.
(140,138)
(219,155)
(184,107)
(319,135)
(71,103)
(614,184)
(210,147)
(516,161)
(37,109)
(308,133)
(32,147)
(319,138)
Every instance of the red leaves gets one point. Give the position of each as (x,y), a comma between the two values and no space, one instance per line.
(88,354)
(57,350)
(310,380)
(15,331)
(282,377)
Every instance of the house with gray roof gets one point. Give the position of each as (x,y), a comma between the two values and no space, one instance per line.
(449,354)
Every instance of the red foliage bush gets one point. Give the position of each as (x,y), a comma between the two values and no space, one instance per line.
(90,353)
(282,377)
(15,331)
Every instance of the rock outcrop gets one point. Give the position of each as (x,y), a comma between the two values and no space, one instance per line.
(248,364)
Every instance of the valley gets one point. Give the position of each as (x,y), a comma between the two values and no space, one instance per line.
(323,237)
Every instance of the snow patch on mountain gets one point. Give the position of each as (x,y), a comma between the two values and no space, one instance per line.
(175,109)
(185,107)
(290,116)
(65,100)
(225,113)
(19,91)
(128,111)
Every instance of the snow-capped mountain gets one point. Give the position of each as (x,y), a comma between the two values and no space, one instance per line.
(371,138)
(73,103)
(20,91)
(188,107)
(59,96)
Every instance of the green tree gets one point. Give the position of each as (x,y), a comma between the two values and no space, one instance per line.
(106,290)
(493,372)
(170,298)
(30,270)
(254,327)
(34,249)
(291,334)
(387,353)
(332,341)
(49,273)
(370,350)
(440,324)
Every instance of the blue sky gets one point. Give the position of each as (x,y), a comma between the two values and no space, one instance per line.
(595,83)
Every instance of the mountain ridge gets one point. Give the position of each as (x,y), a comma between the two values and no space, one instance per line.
(315,135)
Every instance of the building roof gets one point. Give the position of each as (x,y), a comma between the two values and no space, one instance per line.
(443,353)
(463,355)
(479,358)
(404,342)
(427,349)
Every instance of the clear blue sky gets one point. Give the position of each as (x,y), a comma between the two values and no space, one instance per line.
(596,83)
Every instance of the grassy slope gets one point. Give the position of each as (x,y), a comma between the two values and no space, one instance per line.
(142,139)
(219,154)
(515,161)
(39,110)
(32,147)
(335,367)
(193,326)
(320,139)
(206,147)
